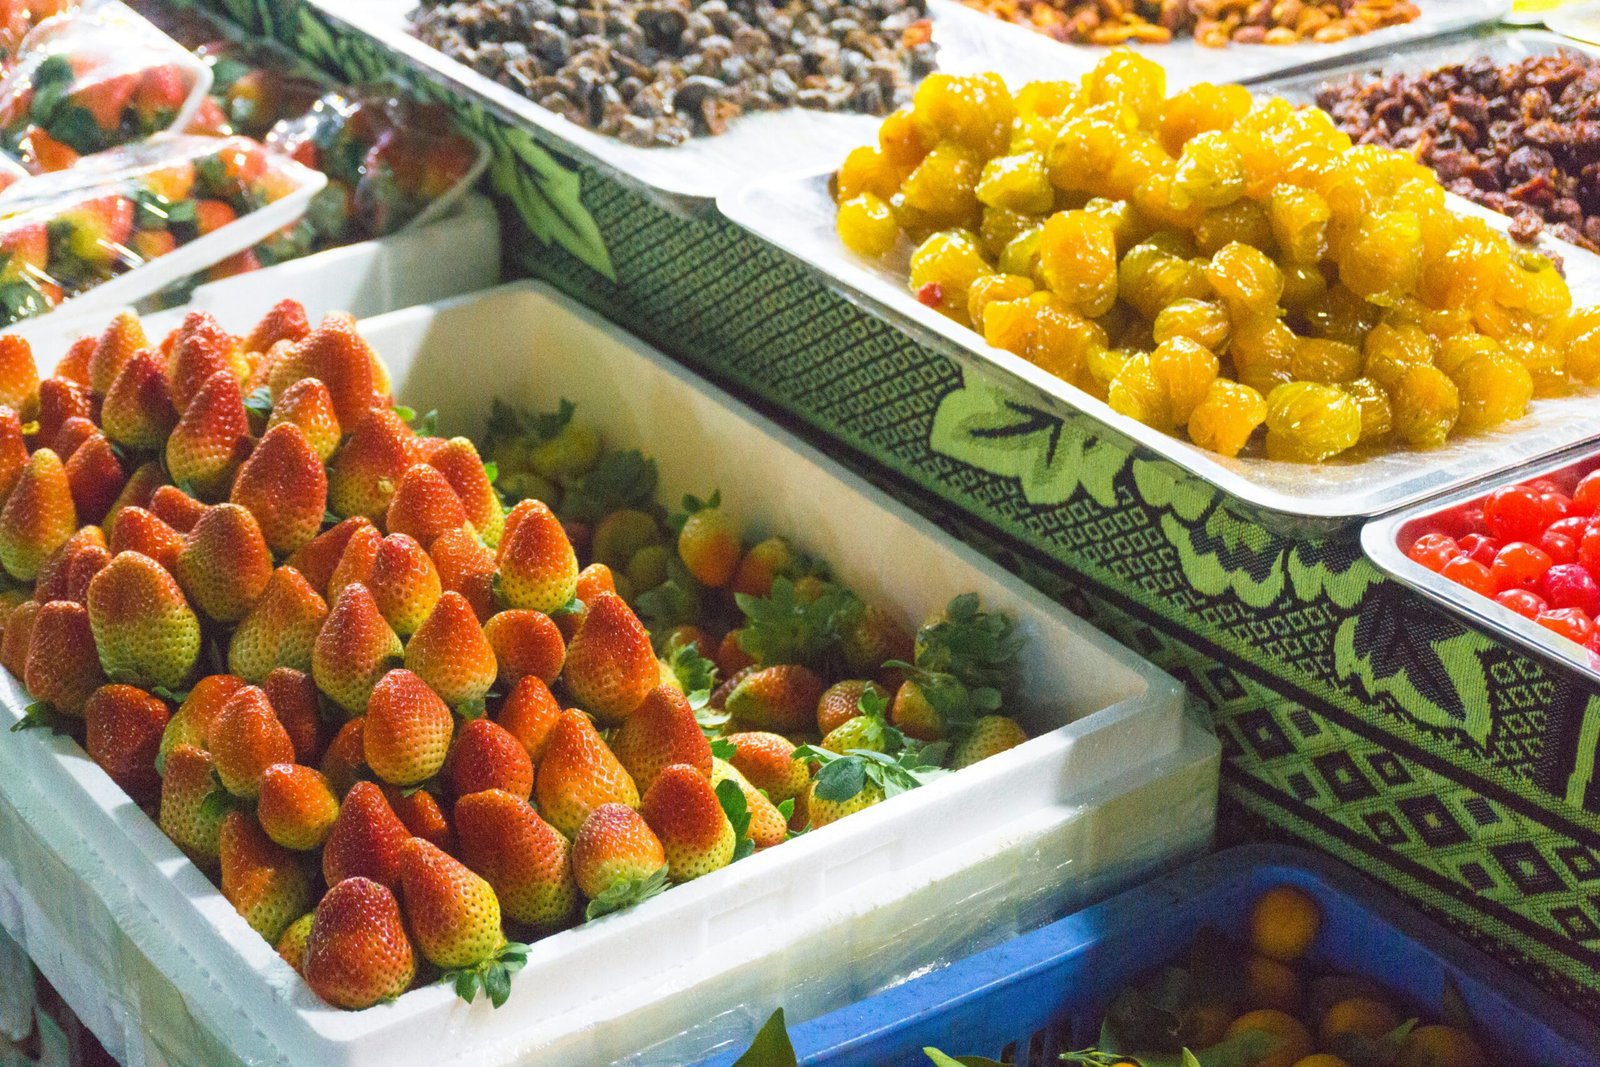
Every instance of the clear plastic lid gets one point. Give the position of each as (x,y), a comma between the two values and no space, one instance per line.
(19,17)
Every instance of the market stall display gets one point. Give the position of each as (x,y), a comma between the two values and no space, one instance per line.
(1211,23)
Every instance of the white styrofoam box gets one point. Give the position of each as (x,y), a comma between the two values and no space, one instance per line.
(1116,780)
(456,254)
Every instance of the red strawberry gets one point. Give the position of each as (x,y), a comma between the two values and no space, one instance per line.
(593,580)
(283,484)
(105,98)
(611,665)
(466,567)
(225,564)
(358,953)
(335,354)
(95,477)
(529,713)
(730,657)
(537,567)
(245,739)
(54,575)
(143,627)
(13,450)
(138,530)
(454,914)
(408,729)
(264,882)
(461,466)
(345,757)
(138,491)
(19,374)
(286,321)
(617,860)
(661,732)
(62,666)
(201,349)
(781,698)
(761,564)
(291,945)
(767,760)
(82,569)
(186,817)
(355,648)
(122,337)
(213,215)
(578,773)
(521,856)
(96,231)
(160,94)
(421,814)
(404,582)
(487,756)
(317,558)
(123,734)
(74,366)
(293,696)
(841,702)
(74,432)
(296,806)
(280,629)
(525,643)
(451,654)
(211,440)
(191,723)
(363,475)
(688,820)
(138,411)
(18,636)
(308,405)
(355,562)
(38,516)
(424,505)
(60,400)
(366,839)
(176,508)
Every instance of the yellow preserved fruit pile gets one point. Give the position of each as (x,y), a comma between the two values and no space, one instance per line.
(1231,269)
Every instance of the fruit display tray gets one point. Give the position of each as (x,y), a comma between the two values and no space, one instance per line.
(796,214)
(1043,993)
(1117,782)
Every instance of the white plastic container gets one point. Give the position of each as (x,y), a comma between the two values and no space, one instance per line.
(1117,781)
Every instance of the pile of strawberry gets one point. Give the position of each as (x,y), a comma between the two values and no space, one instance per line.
(398,723)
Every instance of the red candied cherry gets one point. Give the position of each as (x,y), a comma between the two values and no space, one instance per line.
(1480,548)
(1469,574)
(1570,585)
(1589,548)
(1557,506)
(1434,550)
(1543,485)
(1586,497)
(1518,564)
(1515,513)
(1572,526)
(1523,602)
(1562,548)
(1572,623)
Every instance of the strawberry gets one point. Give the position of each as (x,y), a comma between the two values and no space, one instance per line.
(38,516)
(95,477)
(245,739)
(521,856)
(138,530)
(487,756)
(358,953)
(210,216)
(62,668)
(201,349)
(354,649)
(989,736)
(18,636)
(355,562)
(730,656)
(914,715)
(537,568)
(424,505)
(160,94)
(661,732)
(74,366)
(96,230)
(611,665)
(841,701)
(335,354)
(291,946)
(13,450)
(822,811)
(708,544)
(284,485)
(453,913)
(344,760)
(404,582)
(176,508)
(105,98)
(60,400)
(225,564)
(144,629)
(363,475)
(293,696)
(152,244)
(593,580)
(529,713)
(465,567)
(139,491)
(308,405)
(451,654)
(81,571)
(578,773)
(123,728)
(408,729)
(767,826)
(138,411)
(264,882)
(285,321)
(525,643)
(296,806)
(19,374)
(461,466)
(186,817)
(875,638)
(617,860)
(74,432)
(688,820)
(317,558)
(122,337)
(280,629)
(767,760)
(191,723)
(54,575)
(781,698)
(365,840)
(419,810)
(761,564)
(211,440)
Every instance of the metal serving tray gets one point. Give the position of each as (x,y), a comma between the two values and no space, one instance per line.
(1384,541)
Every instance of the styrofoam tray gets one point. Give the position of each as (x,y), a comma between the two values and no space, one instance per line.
(1117,780)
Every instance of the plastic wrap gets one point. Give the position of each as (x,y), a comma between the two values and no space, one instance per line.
(92,80)
(19,17)
(125,223)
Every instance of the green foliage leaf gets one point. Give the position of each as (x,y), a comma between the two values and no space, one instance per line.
(786,809)
(944,1060)
(841,779)
(625,894)
(771,1047)
(723,749)
(42,715)
(737,809)
(625,479)
(977,648)
(491,470)
(694,672)
(783,628)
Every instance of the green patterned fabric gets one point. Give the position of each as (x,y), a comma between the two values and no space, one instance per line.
(1354,717)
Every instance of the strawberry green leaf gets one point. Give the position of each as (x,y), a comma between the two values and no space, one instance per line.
(711,721)
(696,674)
(428,426)
(842,779)
(218,803)
(771,1047)
(783,628)
(177,696)
(942,1060)
(491,470)
(674,602)
(259,402)
(625,894)
(723,749)
(786,809)
(405,413)
(873,701)
(620,480)
(466,985)
(977,648)
(41,715)
(471,709)
(734,806)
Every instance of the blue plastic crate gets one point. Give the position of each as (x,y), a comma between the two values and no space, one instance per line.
(1043,993)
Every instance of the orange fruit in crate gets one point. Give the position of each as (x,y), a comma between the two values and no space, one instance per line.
(1440,1046)
(1361,1016)
(1293,1039)
(1269,983)
(1283,923)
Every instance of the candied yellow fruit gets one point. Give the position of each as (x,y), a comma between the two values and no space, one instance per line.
(866,225)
